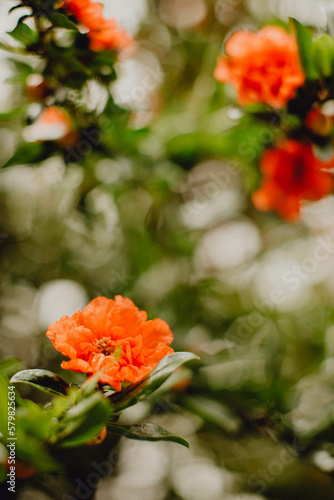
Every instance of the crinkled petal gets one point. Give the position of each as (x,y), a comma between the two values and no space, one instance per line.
(77,365)
(114,337)
(263,66)
(155,333)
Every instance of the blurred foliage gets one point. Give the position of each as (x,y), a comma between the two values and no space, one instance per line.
(152,202)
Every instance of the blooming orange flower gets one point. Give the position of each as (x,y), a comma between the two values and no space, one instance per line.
(263,67)
(112,335)
(104,33)
(292,173)
(108,37)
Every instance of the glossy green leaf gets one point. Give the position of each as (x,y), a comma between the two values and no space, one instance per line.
(131,395)
(304,40)
(41,379)
(62,21)
(147,432)
(168,365)
(23,34)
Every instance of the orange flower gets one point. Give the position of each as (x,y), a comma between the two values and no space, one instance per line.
(108,37)
(103,33)
(292,173)
(263,67)
(53,124)
(319,123)
(112,335)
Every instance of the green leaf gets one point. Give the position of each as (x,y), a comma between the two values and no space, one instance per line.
(21,67)
(90,385)
(83,421)
(27,153)
(16,80)
(3,474)
(62,21)
(89,428)
(34,426)
(304,40)
(13,50)
(32,451)
(75,65)
(9,115)
(167,366)
(132,394)
(41,379)
(323,55)
(214,412)
(11,366)
(23,34)
(34,420)
(80,409)
(46,5)
(147,432)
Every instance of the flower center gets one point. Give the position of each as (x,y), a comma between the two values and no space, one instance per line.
(106,346)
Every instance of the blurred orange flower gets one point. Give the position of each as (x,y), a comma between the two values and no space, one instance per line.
(263,67)
(292,173)
(53,124)
(112,335)
(319,123)
(104,33)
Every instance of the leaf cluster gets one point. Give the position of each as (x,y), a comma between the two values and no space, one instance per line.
(75,415)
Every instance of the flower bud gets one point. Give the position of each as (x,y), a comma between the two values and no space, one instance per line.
(319,123)
(36,87)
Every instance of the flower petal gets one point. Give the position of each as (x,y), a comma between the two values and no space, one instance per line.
(77,365)
(112,336)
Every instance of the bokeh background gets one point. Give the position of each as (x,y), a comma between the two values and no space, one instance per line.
(167,221)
